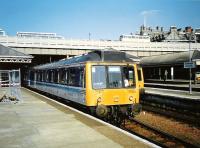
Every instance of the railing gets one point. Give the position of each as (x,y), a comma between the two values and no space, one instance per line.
(94,44)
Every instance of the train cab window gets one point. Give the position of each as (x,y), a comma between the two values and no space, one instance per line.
(114,77)
(98,77)
(129,76)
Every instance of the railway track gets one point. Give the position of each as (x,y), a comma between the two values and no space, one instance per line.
(177,114)
(155,135)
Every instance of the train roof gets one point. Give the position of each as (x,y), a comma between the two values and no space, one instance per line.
(95,56)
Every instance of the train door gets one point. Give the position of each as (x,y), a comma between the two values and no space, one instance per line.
(140,80)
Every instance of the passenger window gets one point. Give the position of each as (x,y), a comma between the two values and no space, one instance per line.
(31,75)
(114,77)
(76,76)
(82,77)
(63,76)
(50,74)
(56,76)
(129,76)
(44,76)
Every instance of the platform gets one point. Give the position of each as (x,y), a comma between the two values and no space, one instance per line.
(175,84)
(173,93)
(40,122)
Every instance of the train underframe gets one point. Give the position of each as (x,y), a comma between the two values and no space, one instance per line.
(116,114)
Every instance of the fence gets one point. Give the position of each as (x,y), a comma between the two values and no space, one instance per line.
(10,83)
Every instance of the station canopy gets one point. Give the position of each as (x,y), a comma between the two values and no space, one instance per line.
(9,55)
(171,59)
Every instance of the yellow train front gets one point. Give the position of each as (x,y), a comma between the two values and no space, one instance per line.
(106,82)
(112,88)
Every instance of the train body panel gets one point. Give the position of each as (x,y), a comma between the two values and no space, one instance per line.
(66,92)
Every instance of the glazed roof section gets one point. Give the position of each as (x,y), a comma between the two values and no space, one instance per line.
(170,59)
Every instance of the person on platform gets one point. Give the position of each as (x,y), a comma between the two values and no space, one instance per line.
(165,75)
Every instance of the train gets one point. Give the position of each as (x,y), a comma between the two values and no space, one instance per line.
(107,83)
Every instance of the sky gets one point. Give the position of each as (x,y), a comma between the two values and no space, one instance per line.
(103,19)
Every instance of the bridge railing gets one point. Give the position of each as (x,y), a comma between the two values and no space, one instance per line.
(14,41)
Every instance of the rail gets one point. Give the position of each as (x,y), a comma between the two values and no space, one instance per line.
(158,136)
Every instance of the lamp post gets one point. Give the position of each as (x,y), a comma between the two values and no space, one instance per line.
(89,35)
(190,71)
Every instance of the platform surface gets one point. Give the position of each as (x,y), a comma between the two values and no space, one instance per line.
(172,83)
(173,93)
(40,123)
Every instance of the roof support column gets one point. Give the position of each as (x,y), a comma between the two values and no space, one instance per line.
(172,73)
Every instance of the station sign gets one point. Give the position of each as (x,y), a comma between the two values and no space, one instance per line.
(189,65)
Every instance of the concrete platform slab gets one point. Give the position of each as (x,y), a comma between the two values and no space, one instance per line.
(40,123)
(173,93)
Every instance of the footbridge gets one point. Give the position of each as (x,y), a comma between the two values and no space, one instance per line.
(68,47)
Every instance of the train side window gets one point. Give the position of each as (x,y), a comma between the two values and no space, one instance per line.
(82,77)
(40,76)
(76,76)
(31,75)
(50,76)
(44,76)
(129,76)
(63,76)
(55,77)
(73,77)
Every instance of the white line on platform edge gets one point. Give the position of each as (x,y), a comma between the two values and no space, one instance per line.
(98,120)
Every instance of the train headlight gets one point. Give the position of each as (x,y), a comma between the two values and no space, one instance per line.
(131,98)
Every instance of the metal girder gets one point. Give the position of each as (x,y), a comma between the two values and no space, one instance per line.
(15,60)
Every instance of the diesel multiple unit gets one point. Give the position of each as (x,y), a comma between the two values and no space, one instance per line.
(106,82)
